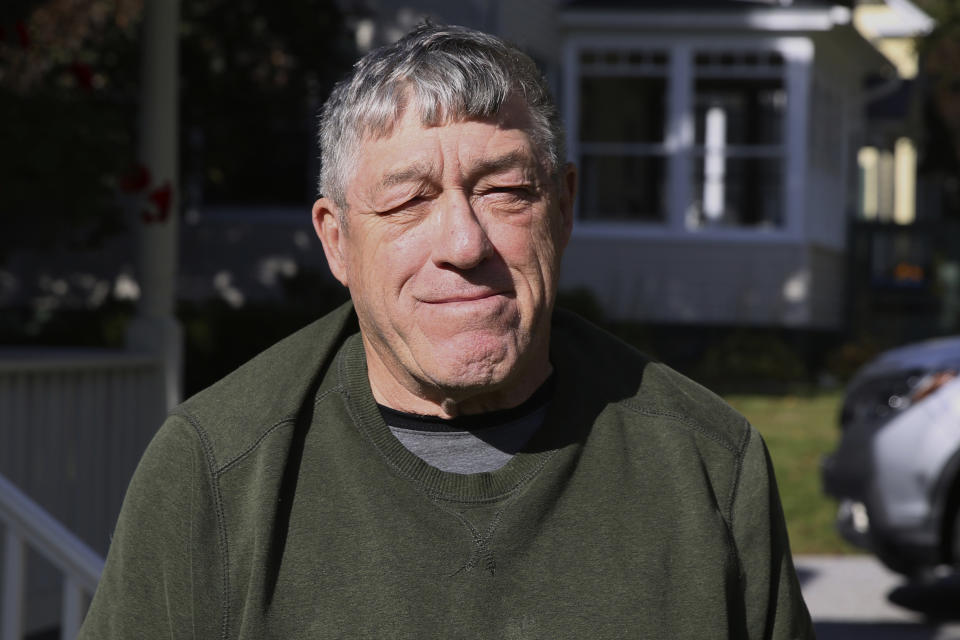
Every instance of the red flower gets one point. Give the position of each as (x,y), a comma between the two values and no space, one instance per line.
(161,197)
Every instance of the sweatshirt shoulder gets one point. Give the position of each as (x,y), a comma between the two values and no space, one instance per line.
(635,381)
(268,390)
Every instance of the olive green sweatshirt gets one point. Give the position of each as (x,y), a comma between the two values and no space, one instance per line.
(277,504)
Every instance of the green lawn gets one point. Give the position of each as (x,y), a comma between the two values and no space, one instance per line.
(799,429)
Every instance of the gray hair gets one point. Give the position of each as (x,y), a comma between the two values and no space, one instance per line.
(449,74)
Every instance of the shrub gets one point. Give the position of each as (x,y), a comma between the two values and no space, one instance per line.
(756,357)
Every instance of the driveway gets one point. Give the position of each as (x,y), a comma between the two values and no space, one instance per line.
(853,598)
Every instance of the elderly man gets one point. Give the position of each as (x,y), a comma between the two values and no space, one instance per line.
(447,456)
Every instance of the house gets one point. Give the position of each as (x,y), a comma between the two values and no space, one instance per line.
(728,205)
(904,249)
(717,145)
(888,157)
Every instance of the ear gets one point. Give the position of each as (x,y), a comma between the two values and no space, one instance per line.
(568,194)
(326,222)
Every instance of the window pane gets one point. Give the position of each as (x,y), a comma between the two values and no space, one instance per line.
(721,61)
(736,192)
(623,188)
(622,109)
(752,109)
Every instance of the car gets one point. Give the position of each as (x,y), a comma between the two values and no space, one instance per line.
(896,470)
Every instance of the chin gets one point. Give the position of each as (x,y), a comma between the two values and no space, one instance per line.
(473,375)
(470,369)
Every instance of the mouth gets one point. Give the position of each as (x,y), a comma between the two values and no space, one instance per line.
(463,297)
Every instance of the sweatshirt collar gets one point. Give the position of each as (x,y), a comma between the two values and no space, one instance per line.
(553,437)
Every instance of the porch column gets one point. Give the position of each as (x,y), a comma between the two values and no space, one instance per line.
(155,329)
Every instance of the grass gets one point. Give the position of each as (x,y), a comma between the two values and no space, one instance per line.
(799,430)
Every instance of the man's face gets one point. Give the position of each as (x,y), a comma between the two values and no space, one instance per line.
(451,250)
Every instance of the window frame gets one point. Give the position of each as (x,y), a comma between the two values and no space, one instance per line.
(679,143)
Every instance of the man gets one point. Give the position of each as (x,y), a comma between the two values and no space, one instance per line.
(468,464)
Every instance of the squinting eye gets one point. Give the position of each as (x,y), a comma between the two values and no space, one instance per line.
(410,204)
(524,193)
(413,202)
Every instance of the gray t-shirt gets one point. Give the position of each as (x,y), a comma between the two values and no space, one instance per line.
(474,443)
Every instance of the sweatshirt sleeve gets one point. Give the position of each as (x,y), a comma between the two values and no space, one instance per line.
(774,606)
(163,576)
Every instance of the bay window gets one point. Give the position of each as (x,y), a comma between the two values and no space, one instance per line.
(686,137)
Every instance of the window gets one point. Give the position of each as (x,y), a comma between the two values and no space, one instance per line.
(723,112)
(739,105)
(622,133)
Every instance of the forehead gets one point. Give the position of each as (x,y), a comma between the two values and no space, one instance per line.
(412,147)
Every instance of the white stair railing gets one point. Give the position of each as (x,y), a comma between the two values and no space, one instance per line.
(29,524)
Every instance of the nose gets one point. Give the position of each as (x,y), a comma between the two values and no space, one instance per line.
(461,241)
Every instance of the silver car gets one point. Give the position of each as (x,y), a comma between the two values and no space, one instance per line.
(896,471)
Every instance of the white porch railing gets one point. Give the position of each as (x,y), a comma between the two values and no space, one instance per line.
(73,424)
(27,523)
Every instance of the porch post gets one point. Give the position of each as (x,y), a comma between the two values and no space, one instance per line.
(155,329)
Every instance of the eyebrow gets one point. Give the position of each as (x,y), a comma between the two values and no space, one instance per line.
(510,160)
(420,171)
(415,172)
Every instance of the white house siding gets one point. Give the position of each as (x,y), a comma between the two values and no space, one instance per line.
(695,282)
(835,134)
(827,287)
(829,167)
(532,24)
